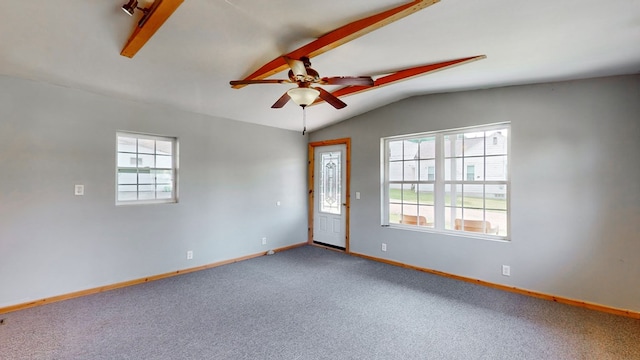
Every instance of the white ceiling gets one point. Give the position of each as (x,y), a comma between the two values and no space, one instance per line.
(189,62)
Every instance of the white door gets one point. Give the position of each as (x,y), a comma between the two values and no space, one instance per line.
(330,185)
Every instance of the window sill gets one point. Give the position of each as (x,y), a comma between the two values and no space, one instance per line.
(455,233)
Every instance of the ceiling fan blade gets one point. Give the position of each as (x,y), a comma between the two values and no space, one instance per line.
(267,81)
(407,74)
(348,80)
(297,66)
(328,97)
(281,102)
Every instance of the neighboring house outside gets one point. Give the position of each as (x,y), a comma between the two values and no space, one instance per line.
(471,167)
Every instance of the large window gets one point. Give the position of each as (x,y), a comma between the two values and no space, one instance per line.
(146,169)
(448,181)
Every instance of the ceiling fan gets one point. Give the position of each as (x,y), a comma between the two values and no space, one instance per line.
(303,75)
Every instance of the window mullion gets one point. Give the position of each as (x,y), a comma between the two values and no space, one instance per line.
(439,201)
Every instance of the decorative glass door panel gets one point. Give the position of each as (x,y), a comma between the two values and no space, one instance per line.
(329,176)
(331,184)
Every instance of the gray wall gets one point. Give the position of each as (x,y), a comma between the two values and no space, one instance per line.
(575,198)
(52,242)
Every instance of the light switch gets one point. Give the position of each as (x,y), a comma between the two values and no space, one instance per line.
(357,195)
(79,190)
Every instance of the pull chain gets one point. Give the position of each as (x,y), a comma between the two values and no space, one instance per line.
(304,119)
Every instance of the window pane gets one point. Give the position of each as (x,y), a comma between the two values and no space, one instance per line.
(395,171)
(427,168)
(410,170)
(497,167)
(474,168)
(146,192)
(431,173)
(473,196)
(450,214)
(147,161)
(127,176)
(395,150)
(453,195)
(496,197)
(425,216)
(410,194)
(474,144)
(395,192)
(427,148)
(127,160)
(164,192)
(411,210)
(426,194)
(127,192)
(452,145)
(146,146)
(410,149)
(163,176)
(164,147)
(498,221)
(145,176)
(453,169)
(497,142)
(163,162)
(472,214)
(395,213)
(127,144)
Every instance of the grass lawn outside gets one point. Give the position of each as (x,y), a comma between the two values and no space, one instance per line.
(426,198)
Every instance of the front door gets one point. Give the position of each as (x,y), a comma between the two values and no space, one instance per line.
(329,212)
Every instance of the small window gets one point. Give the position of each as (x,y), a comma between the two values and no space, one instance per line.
(431,173)
(146,169)
(471,172)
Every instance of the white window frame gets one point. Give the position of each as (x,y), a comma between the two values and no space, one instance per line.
(439,183)
(136,154)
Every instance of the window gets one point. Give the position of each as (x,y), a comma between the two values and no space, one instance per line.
(425,187)
(471,172)
(146,169)
(431,173)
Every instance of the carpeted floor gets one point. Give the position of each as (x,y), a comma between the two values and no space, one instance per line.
(312,303)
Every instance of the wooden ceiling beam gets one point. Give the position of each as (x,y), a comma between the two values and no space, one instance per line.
(159,13)
(403,75)
(338,37)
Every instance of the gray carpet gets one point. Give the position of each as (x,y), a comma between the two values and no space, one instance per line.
(312,303)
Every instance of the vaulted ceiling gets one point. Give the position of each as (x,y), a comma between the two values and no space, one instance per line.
(204,44)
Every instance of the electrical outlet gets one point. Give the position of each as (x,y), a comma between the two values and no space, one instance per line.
(506,270)
(384,247)
(264,241)
(189,255)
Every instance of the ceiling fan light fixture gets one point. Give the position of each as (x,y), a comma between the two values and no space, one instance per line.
(303,96)
(130,7)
